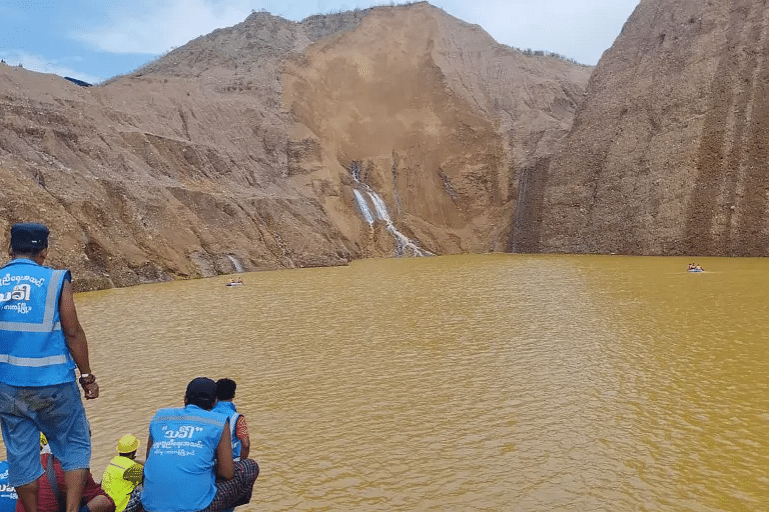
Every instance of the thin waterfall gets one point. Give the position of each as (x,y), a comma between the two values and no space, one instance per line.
(363,205)
(379,206)
(235,263)
(403,244)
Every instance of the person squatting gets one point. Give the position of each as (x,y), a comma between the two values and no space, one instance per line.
(190,465)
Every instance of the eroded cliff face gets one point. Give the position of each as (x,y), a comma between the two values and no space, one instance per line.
(243,150)
(442,120)
(668,154)
(151,179)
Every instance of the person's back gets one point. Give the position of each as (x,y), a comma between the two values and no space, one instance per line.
(182,456)
(123,473)
(43,343)
(189,459)
(225,393)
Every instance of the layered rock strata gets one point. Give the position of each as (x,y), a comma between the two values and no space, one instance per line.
(236,151)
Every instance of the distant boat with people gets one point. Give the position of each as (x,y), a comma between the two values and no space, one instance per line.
(695,268)
(232,282)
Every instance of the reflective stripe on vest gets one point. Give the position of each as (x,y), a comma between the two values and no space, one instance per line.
(113,483)
(32,362)
(180,472)
(228,408)
(34,351)
(236,444)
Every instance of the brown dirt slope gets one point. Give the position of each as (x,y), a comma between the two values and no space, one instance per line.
(443,120)
(668,153)
(234,151)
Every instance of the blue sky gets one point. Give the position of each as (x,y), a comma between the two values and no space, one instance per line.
(93,40)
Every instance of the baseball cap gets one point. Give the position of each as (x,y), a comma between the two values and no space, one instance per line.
(27,236)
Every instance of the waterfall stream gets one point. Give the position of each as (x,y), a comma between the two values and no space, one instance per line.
(366,198)
(235,263)
(363,205)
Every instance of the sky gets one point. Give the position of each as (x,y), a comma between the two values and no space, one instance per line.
(93,40)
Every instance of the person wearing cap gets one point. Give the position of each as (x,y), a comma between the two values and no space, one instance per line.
(52,487)
(189,464)
(43,343)
(123,473)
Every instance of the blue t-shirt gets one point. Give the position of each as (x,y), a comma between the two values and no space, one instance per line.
(8,495)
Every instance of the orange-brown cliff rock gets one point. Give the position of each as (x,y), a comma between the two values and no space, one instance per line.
(237,150)
(669,153)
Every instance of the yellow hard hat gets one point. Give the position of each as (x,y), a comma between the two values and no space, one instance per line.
(43,440)
(127,444)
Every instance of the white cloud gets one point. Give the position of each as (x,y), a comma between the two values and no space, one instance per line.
(577,29)
(152,28)
(43,65)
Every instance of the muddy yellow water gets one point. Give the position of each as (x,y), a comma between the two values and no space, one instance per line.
(503,382)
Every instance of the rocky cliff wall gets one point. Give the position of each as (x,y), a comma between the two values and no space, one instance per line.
(443,121)
(248,148)
(668,154)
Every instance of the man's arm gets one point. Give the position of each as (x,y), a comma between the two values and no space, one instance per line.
(225,466)
(241,432)
(75,336)
(149,446)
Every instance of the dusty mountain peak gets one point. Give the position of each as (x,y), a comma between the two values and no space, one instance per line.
(276,144)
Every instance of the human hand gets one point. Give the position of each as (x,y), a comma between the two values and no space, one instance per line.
(89,385)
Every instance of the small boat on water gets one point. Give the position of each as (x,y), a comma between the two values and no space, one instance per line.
(696,270)
(234,283)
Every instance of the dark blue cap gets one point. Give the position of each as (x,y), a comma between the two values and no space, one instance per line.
(28,236)
(201,388)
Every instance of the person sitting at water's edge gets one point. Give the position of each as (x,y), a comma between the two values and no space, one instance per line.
(124,473)
(189,465)
(43,343)
(52,487)
(241,444)
(225,393)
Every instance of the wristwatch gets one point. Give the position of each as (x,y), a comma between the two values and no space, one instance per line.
(87,378)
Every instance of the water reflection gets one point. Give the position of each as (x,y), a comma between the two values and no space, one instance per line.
(499,382)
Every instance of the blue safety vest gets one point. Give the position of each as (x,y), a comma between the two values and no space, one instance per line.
(229,409)
(33,349)
(179,474)
(8,495)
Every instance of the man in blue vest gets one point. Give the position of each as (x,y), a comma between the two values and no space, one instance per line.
(41,344)
(241,443)
(225,393)
(189,464)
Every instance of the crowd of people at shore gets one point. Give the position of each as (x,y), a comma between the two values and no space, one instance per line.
(196,455)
